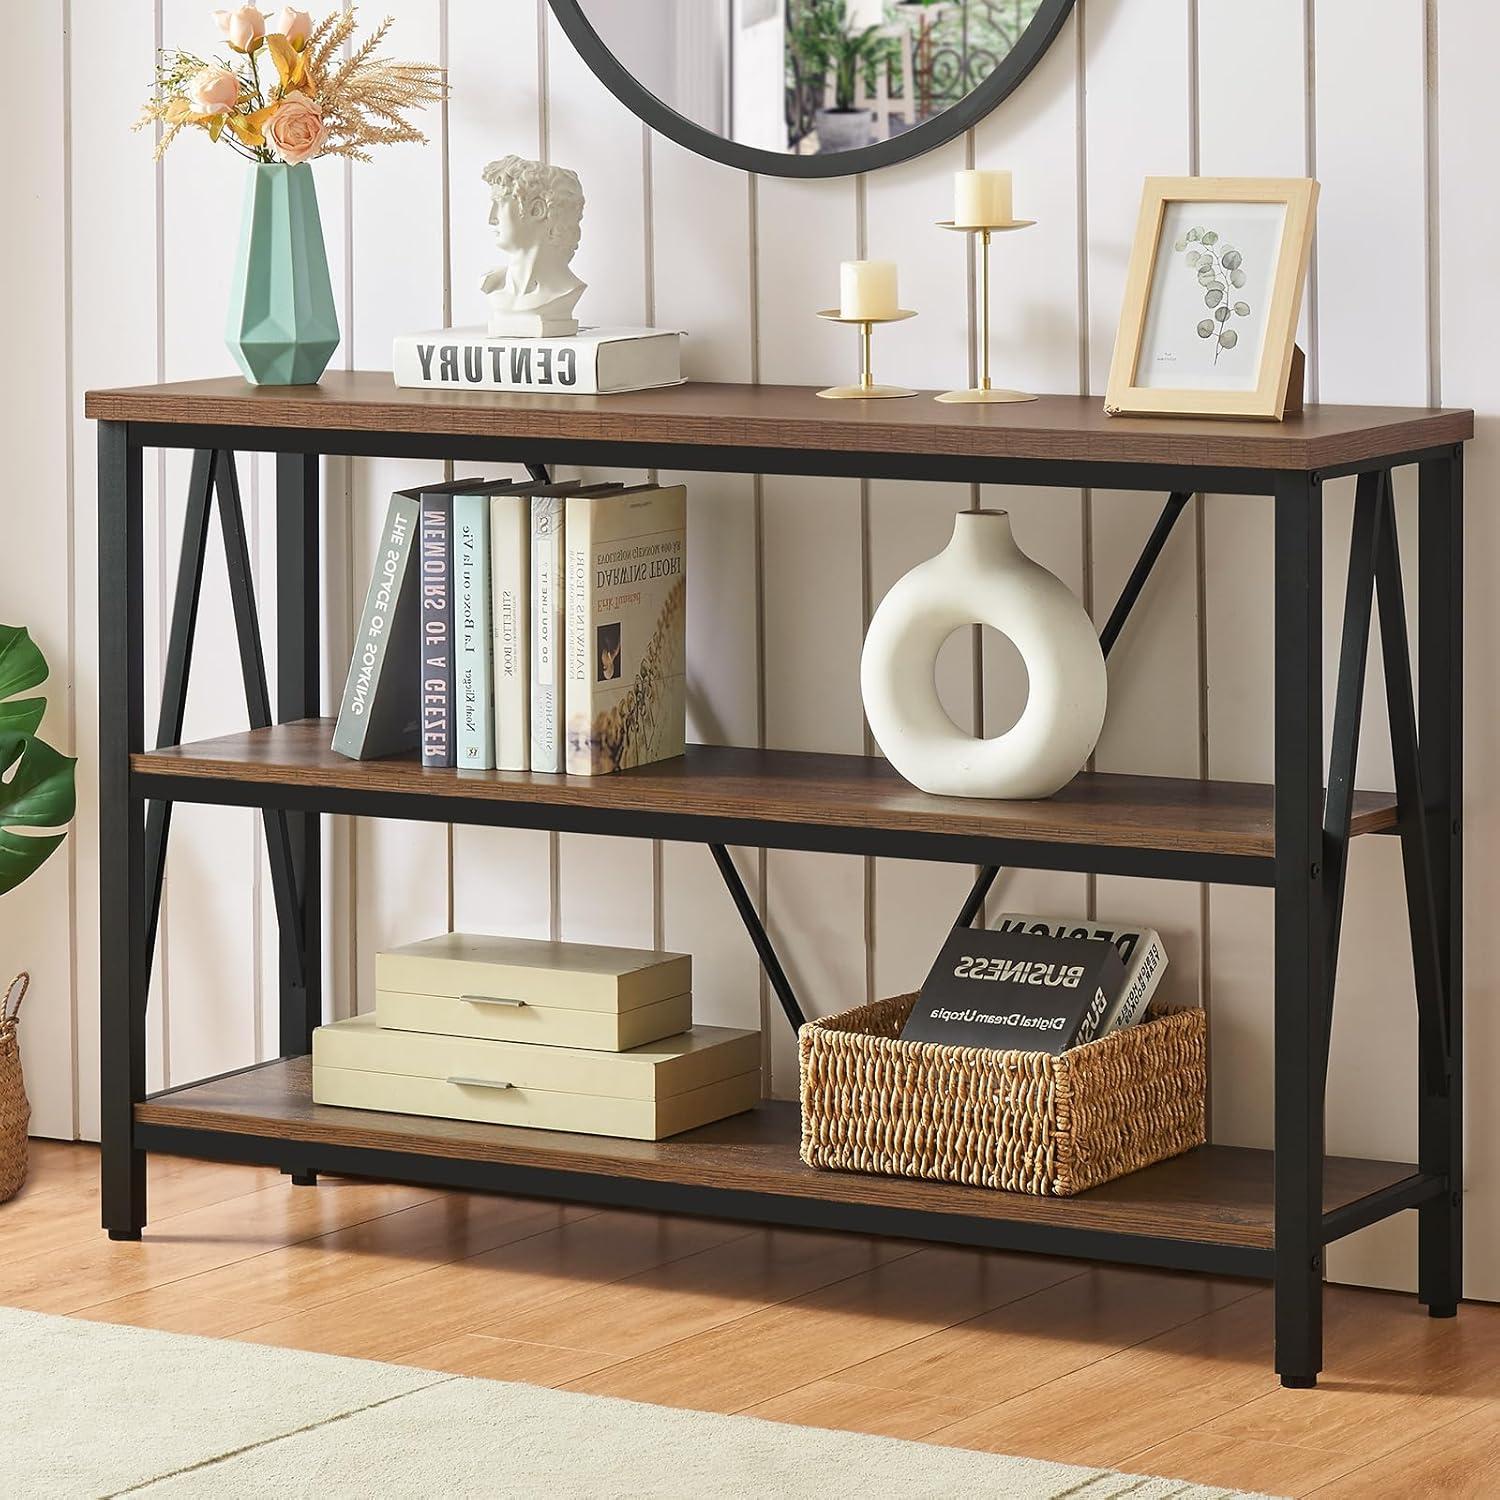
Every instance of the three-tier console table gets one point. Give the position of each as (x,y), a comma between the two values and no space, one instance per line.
(1221,1209)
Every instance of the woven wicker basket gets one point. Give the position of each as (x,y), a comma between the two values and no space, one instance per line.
(15,1113)
(1024,1121)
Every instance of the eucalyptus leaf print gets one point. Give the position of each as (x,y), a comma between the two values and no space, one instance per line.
(1220,270)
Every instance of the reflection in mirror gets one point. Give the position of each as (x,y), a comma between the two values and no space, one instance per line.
(810,77)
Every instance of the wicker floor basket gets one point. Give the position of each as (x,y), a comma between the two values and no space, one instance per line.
(1023,1121)
(15,1113)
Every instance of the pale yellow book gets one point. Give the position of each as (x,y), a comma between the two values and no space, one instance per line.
(569,976)
(508,1020)
(626,566)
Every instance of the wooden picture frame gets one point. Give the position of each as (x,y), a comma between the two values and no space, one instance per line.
(1160,363)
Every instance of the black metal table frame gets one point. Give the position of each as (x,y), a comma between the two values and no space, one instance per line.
(1312,830)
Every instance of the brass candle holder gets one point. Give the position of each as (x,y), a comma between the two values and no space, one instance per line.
(984,391)
(866,389)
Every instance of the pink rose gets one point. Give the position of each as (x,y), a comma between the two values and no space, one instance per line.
(296,131)
(214,91)
(244,27)
(294,25)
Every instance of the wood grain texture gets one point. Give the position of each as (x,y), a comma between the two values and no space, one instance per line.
(1219,1194)
(1406,1406)
(784,786)
(709,414)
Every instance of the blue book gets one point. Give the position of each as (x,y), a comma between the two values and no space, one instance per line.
(474,696)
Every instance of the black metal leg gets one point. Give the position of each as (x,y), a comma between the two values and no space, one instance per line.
(122,828)
(175,673)
(759,937)
(298,606)
(1440,605)
(1300,972)
(1144,564)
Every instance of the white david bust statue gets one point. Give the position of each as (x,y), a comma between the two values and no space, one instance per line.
(536,212)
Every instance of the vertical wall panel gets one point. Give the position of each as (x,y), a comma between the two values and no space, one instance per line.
(813,587)
(1036,345)
(401,870)
(113,182)
(1138,66)
(702,283)
(502,879)
(1467,117)
(36,921)
(606,885)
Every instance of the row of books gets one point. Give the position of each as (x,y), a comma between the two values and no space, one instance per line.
(1037,984)
(523,627)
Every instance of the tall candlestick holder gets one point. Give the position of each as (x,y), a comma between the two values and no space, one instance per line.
(866,389)
(985,391)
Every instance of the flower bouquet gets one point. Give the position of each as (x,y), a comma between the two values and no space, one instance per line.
(288,93)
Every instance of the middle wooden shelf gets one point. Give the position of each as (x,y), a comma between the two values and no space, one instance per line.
(1112,824)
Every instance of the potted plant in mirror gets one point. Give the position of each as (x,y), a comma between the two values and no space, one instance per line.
(287,94)
(36,792)
(822,47)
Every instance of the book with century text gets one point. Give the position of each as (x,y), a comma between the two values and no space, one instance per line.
(592,362)
(626,636)
(1016,991)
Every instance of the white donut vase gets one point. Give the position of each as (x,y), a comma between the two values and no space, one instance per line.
(983,577)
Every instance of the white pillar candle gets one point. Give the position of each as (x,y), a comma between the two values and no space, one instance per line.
(867,289)
(981,198)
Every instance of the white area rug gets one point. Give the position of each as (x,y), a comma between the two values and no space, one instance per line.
(89,1409)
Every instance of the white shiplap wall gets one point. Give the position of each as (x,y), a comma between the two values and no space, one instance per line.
(118,272)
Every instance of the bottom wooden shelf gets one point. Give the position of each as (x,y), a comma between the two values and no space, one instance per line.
(1216,1196)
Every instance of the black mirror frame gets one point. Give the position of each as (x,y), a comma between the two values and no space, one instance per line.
(968,111)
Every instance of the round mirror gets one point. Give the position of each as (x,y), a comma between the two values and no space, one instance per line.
(811,88)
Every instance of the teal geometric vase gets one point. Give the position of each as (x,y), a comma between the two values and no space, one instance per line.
(283,327)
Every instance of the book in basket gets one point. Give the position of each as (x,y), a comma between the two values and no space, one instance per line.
(1016,991)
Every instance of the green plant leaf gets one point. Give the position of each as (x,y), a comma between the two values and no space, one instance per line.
(1214,296)
(1207,277)
(1194,234)
(22,666)
(37,792)
(1193,257)
(1206,329)
(1232,258)
(1229,338)
(1211,238)
(1221,314)
(1182,245)
(1242,309)
(1237,277)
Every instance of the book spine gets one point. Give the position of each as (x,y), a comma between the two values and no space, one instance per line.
(367,664)
(578,704)
(437,630)
(510,592)
(522,364)
(546,632)
(474,685)
(1141,980)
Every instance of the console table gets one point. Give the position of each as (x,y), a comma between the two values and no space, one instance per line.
(1220,1209)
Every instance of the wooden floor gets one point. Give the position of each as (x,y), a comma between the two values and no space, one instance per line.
(1144,1370)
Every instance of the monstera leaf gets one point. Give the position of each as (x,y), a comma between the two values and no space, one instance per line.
(36,783)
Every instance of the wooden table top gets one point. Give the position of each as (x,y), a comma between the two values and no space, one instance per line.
(709,414)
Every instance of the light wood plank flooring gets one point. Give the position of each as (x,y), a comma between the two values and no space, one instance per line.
(1134,1369)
